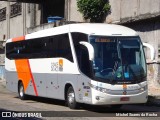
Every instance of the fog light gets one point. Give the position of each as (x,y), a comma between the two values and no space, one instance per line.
(97,98)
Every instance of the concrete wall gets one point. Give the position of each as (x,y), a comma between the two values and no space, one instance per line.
(17,26)
(38,15)
(3,30)
(3,24)
(131,10)
(72,13)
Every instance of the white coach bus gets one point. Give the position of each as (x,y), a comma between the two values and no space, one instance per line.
(97,64)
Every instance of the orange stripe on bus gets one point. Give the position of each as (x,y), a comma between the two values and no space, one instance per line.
(18,38)
(23,72)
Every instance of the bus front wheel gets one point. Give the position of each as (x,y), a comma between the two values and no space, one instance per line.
(21,93)
(71,101)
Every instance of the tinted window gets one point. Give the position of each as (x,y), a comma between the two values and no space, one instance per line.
(82,53)
(47,47)
(77,37)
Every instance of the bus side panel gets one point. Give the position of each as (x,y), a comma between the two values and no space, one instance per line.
(84,94)
(80,85)
(30,89)
(63,79)
(11,81)
(40,82)
(52,87)
(46,84)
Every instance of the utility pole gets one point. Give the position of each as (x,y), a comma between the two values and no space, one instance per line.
(33,15)
(8,20)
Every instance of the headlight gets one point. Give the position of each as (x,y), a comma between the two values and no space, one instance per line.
(143,88)
(104,90)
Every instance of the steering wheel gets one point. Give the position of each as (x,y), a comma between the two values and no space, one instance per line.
(107,69)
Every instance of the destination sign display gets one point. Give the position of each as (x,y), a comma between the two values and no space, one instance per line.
(103,40)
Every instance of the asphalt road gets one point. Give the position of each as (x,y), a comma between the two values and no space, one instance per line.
(43,108)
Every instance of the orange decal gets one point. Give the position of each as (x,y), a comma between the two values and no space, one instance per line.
(124,86)
(34,85)
(61,65)
(23,72)
(61,62)
(18,38)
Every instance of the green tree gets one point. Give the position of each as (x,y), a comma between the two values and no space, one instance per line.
(94,10)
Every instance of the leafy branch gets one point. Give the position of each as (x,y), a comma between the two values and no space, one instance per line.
(95,10)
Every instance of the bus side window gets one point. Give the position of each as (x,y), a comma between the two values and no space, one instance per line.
(64,48)
(51,47)
(82,53)
(77,37)
(46,47)
(84,62)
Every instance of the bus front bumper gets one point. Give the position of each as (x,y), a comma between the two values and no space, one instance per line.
(99,98)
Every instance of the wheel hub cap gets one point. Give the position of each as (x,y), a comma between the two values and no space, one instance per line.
(71,98)
(21,91)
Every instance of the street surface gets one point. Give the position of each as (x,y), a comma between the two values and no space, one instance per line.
(51,109)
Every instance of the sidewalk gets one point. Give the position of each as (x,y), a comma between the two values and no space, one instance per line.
(3,87)
(153,91)
(3,82)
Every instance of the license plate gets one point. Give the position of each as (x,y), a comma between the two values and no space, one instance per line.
(124,99)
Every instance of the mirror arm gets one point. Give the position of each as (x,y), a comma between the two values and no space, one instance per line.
(90,49)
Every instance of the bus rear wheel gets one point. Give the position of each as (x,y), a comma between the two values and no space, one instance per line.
(21,92)
(71,101)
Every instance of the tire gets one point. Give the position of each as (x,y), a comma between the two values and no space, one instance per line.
(116,106)
(71,101)
(21,92)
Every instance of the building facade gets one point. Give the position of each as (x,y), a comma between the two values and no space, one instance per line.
(19,17)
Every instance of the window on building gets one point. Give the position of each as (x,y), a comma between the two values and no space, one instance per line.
(28,7)
(3,14)
(39,6)
(15,9)
(159,53)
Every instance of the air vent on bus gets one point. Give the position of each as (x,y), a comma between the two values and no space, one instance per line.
(117,34)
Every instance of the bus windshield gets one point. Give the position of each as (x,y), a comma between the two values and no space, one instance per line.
(118,59)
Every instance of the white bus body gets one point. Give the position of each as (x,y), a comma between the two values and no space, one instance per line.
(60,63)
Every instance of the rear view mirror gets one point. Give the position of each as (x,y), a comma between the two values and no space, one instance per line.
(89,48)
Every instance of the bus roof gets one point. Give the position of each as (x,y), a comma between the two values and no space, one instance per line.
(102,29)
(88,28)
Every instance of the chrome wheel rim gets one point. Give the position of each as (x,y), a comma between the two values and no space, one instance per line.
(71,97)
(21,91)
